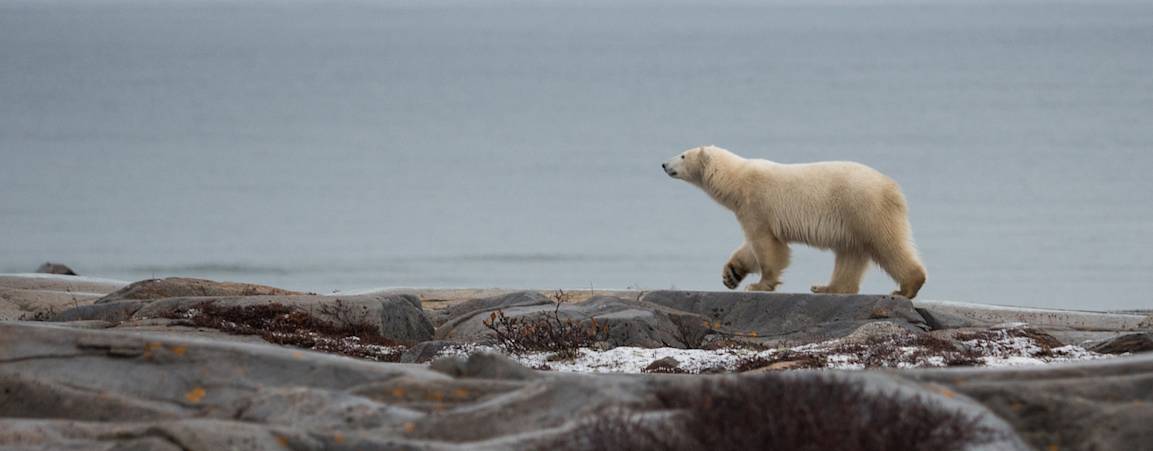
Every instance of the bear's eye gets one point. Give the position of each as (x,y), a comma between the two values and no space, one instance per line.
(682,157)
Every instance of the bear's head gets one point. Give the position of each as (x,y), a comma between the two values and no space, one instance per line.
(689,165)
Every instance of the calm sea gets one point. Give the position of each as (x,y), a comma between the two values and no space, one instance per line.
(327,145)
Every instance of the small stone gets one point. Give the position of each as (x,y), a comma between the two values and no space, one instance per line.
(665,365)
(55,268)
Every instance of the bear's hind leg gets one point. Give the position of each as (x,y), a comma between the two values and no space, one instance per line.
(741,263)
(772,257)
(850,267)
(903,266)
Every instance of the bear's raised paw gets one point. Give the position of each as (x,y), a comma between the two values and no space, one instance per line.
(732,277)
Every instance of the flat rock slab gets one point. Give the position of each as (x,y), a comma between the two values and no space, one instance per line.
(789,317)
(1042,318)
(38,296)
(87,389)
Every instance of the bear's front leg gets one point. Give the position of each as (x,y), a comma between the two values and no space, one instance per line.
(741,263)
(772,257)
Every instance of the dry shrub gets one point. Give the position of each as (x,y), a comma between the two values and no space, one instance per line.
(811,414)
(544,333)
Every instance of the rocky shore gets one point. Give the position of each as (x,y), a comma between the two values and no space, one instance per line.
(178,363)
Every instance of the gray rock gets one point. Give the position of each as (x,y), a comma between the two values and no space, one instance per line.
(483,365)
(876,330)
(448,317)
(88,389)
(787,317)
(1101,404)
(684,319)
(39,296)
(55,268)
(939,320)
(1040,318)
(173,287)
(111,311)
(1142,342)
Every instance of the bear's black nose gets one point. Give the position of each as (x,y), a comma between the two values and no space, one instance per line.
(664,165)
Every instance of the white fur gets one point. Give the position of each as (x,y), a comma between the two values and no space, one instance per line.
(848,207)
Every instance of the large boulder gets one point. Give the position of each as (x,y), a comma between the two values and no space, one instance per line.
(175,287)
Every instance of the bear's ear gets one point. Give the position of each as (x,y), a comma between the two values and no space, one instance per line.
(702,156)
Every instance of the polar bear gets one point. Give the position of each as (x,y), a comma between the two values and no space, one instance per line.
(847,207)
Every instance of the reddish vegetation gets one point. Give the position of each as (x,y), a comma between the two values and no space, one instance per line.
(284,325)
